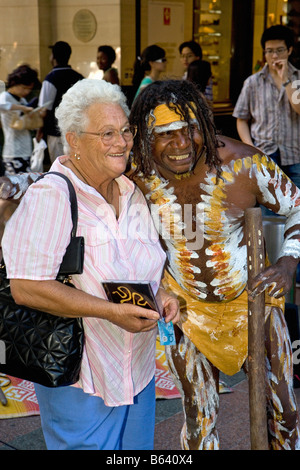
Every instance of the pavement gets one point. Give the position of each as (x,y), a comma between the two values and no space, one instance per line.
(233,422)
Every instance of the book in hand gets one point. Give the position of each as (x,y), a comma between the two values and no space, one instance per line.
(140,293)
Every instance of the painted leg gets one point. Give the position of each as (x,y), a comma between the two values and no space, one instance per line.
(197,380)
(283,421)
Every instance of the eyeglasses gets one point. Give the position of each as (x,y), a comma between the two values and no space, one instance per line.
(160,61)
(110,136)
(278,51)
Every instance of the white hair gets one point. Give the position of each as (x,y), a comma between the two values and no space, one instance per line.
(71,113)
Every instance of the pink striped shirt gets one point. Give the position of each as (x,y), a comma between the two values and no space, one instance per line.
(117,364)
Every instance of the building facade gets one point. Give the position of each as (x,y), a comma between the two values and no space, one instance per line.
(229,32)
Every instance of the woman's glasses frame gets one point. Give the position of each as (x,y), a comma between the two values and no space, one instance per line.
(111,135)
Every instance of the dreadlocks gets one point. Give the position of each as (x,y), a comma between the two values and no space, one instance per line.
(175,94)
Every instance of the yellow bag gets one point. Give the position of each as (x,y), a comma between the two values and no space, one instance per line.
(30,121)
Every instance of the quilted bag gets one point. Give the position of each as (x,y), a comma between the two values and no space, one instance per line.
(40,347)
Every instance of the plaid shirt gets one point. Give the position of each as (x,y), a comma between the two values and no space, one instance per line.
(273,122)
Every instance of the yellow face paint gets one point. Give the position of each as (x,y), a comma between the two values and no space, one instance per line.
(163,115)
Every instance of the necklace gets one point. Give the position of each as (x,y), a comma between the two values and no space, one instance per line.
(79,172)
(189,173)
(110,187)
(182,176)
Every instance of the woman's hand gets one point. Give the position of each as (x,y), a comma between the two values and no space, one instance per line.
(137,319)
(132,318)
(170,306)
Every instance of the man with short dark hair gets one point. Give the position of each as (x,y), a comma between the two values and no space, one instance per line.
(191,51)
(268,108)
(55,84)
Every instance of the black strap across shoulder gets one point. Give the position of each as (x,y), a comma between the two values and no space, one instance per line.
(73,198)
(73,259)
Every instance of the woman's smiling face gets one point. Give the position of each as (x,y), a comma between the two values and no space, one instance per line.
(100,159)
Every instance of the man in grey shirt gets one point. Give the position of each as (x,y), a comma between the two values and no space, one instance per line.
(268,108)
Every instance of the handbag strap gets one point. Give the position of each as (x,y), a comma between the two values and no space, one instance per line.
(73,198)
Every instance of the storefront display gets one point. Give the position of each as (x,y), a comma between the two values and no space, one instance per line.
(212,24)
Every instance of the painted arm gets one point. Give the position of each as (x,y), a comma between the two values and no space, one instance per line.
(15,186)
(279,277)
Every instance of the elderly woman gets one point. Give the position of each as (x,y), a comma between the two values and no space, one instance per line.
(113,404)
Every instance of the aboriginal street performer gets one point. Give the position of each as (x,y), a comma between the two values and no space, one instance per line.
(198,185)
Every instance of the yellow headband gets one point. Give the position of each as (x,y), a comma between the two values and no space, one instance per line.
(163,115)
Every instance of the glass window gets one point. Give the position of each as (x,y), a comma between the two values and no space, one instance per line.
(212,29)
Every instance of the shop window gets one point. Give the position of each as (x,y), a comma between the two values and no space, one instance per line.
(212,29)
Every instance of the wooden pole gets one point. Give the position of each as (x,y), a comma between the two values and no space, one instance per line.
(256,333)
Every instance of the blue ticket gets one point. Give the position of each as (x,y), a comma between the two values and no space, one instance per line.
(166,333)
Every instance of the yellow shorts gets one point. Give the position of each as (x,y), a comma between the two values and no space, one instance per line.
(219,330)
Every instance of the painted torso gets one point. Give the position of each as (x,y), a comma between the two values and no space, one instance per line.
(201,223)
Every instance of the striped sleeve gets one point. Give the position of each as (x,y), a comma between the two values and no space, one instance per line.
(36,236)
(242,107)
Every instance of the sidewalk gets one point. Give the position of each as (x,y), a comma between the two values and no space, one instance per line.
(26,434)
(233,423)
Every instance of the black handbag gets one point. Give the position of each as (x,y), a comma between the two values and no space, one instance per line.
(40,347)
